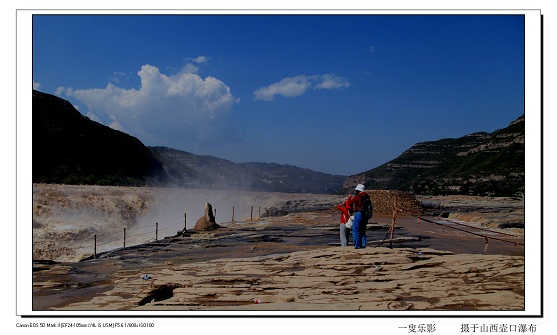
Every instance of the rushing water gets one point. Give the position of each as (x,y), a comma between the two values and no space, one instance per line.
(67,219)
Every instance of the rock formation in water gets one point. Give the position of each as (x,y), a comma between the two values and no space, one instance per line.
(206,222)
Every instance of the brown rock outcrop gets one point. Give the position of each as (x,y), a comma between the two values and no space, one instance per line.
(384,201)
(206,222)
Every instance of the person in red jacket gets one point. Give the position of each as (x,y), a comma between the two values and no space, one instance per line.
(361,216)
(345,209)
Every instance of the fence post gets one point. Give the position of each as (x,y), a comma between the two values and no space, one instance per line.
(232,213)
(124,237)
(395,209)
(251,213)
(95,250)
(185,221)
(157,232)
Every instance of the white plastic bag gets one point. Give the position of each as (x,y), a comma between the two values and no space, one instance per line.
(348,223)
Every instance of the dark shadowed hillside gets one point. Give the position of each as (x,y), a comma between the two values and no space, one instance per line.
(69,148)
(189,170)
(476,164)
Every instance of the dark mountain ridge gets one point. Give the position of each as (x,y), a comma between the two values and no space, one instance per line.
(487,164)
(69,148)
(195,171)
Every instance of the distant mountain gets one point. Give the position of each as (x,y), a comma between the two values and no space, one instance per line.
(69,148)
(189,170)
(477,164)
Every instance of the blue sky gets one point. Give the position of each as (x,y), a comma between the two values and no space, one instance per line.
(339,94)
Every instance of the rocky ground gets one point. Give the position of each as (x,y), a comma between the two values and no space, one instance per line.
(374,279)
(490,212)
(290,262)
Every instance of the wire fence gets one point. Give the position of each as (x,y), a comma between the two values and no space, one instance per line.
(135,233)
(486,236)
(155,232)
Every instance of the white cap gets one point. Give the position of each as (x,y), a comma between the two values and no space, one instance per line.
(360,187)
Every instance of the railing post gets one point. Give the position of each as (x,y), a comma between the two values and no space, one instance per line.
(395,210)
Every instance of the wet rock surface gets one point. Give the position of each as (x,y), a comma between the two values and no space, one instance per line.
(491,212)
(289,262)
(293,263)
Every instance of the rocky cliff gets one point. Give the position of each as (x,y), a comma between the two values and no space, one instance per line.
(69,148)
(477,164)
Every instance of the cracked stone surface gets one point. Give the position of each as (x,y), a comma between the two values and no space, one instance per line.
(293,263)
(333,278)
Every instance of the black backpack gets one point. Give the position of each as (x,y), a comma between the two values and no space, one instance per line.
(367,207)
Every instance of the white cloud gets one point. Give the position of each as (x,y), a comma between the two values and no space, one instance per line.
(298,85)
(288,87)
(93,117)
(117,77)
(165,109)
(200,60)
(190,68)
(36,86)
(116,125)
(63,90)
(330,82)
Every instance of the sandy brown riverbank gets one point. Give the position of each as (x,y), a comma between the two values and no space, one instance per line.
(291,262)
(67,217)
(334,278)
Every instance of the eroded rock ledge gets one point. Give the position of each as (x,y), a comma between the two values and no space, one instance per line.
(334,278)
